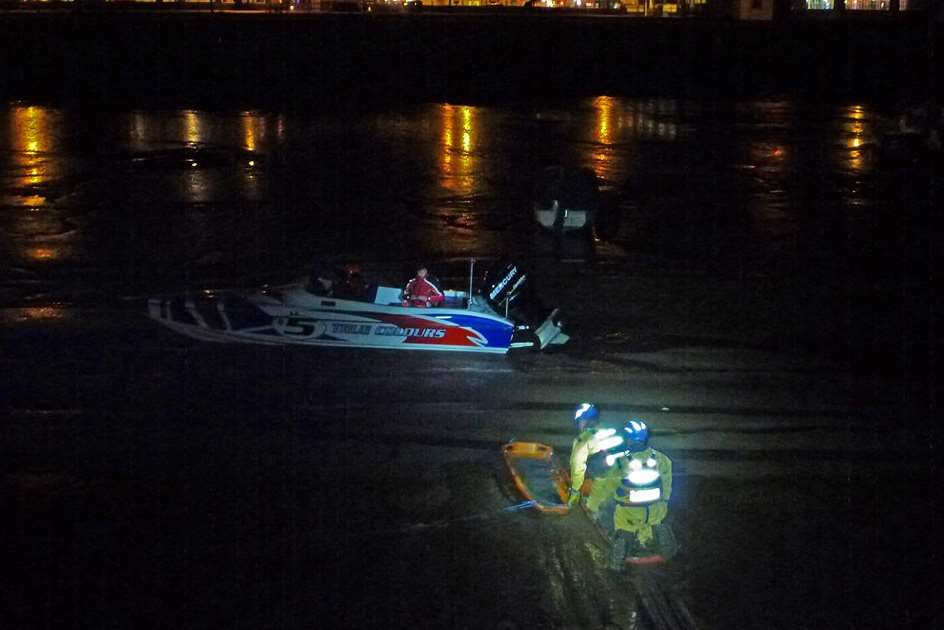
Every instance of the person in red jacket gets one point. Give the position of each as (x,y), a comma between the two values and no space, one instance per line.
(421,292)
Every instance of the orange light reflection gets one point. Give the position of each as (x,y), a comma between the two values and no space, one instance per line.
(253,128)
(33,140)
(41,312)
(858,126)
(604,108)
(43,253)
(856,119)
(459,140)
(193,128)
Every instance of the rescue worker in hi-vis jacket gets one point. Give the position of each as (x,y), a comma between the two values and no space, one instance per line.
(589,450)
(633,497)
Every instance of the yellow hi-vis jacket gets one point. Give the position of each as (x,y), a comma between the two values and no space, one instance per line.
(639,519)
(589,441)
(604,488)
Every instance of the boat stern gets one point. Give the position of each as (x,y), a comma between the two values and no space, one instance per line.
(505,289)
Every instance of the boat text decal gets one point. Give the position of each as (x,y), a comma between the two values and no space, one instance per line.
(303,327)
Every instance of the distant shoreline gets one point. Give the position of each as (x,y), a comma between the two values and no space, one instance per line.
(351,59)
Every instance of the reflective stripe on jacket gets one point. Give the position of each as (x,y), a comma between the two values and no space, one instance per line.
(422,292)
(630,516)
(589,442)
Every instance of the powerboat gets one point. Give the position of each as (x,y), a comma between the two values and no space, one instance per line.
(495,317)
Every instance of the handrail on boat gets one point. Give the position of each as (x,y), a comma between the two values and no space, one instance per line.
(468,301)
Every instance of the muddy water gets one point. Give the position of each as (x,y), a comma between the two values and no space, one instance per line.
(128,200)
(773,223)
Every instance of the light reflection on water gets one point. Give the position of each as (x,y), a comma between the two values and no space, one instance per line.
(253,130)
(462,172)
(856,132)
(657,119)
(618,125)
(49,248)
(604,106)
(194,128)
(606,159)
(34,128)
(43,253)
(34,313)
(458,214)
(38,146)
(460,138)
(42,312)
(34,140)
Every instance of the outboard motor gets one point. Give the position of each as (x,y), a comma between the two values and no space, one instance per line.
(502,284)
(504,287)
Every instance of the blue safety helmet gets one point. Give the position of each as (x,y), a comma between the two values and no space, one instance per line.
(636,435)
(586,413)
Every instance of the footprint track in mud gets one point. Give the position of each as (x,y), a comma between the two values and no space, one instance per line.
(585,593)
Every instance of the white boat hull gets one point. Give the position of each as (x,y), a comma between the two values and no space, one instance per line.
(292,315)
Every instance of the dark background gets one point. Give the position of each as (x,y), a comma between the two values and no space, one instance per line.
(355,58)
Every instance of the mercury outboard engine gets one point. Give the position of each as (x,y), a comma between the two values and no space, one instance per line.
(504,286)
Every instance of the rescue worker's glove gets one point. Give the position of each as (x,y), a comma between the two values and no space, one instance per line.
(573,497)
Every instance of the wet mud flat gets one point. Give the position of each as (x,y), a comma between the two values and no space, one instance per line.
(249,528)
(159,482)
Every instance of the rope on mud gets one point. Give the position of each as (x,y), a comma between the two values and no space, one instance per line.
(446,522)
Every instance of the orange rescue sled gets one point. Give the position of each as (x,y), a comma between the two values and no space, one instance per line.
(538,475)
